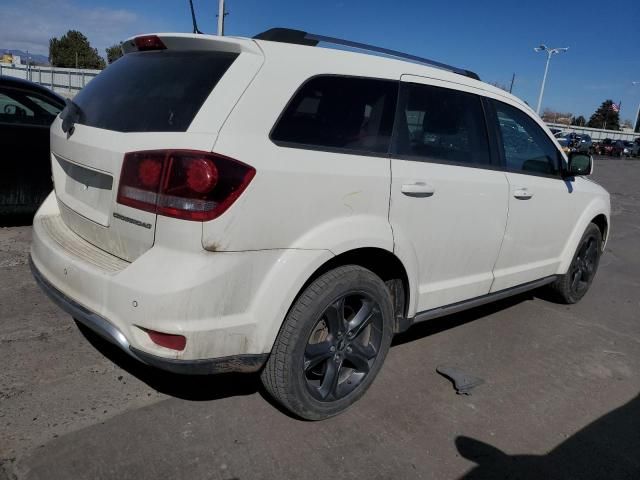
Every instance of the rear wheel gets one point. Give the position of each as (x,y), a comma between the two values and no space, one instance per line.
(332,343)
(572,286)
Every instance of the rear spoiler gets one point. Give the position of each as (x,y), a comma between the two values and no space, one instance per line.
(190,41)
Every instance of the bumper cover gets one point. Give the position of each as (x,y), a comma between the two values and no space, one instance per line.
(106,330)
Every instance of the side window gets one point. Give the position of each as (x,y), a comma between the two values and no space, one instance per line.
(441,125)
(350,113)
(527,148)
(45,105)
(13,111)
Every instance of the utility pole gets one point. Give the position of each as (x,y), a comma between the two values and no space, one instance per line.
(221,15)
(550,52)
(636,125)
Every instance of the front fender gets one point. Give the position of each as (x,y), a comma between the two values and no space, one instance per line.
(598,206)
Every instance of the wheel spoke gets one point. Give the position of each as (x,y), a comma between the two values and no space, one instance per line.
(361,319)
(591,252)
(360,355)
(577,274)
(316,353)
(330,381)
(335,317)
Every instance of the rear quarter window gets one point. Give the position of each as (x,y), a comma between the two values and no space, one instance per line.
(159,91)
(339,113)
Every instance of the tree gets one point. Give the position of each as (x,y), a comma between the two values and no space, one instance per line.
(627,123)
(74,47)
(580,121)
(605,117)
(114,52)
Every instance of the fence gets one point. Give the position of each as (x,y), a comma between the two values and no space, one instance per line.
(595,133)
(65,81)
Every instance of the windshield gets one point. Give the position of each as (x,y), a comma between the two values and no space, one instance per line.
(151,91)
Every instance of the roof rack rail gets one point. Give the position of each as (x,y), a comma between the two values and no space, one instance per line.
(299,37)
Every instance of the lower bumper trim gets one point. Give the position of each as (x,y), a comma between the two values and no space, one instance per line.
(234,363)
(109,332)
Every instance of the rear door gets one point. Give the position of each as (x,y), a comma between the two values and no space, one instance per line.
(146,100)
(448,195)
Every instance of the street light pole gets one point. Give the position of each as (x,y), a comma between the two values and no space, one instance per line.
(550,52)
(636,125)
(221,17)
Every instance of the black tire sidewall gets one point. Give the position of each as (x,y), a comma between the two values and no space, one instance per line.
(349,281)
(571,297)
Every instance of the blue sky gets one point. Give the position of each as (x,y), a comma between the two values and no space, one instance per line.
(495,39)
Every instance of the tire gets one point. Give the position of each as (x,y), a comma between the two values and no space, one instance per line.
(572,286)
(332,343)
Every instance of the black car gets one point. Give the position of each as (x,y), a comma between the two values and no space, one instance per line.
(26,113)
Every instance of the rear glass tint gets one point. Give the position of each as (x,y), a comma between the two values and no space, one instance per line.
(340,113)
(152,91)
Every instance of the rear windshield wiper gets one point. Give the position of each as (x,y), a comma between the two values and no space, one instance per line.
(70,115)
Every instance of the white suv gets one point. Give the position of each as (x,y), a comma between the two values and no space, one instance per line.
(232,204)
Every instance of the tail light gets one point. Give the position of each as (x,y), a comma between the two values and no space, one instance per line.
(184,184)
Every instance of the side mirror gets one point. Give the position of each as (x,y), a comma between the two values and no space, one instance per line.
(579,164)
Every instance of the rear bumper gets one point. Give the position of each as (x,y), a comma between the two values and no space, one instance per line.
(102,327)
(228,305)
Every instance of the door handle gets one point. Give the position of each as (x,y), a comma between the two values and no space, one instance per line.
(522,194)
(418,189)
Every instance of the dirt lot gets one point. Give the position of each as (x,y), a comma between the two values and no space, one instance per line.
(561,398)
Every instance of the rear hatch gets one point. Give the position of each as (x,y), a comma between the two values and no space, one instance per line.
(174,94)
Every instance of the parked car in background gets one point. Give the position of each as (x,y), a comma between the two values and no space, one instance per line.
(26,113)
(609,147)
(574,142)
(630,149)
(268,205)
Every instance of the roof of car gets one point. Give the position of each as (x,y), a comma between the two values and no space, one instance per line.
(22,83)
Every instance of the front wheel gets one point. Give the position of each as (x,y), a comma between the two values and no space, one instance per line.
(332,343)
(572,286)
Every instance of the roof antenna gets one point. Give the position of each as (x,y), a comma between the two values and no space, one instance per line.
(193,18)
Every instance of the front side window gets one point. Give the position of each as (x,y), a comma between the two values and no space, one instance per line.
(441,125)
(527,148)
(345,113)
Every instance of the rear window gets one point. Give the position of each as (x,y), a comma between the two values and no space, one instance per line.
(152,91)
(340,113)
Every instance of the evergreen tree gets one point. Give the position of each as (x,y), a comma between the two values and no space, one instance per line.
(605,117)
(73,44)
(114,52)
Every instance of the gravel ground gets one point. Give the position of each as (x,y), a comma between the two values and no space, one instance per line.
(560,398)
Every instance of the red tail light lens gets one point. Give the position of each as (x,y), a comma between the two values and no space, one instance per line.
(184,184)
(149,42)
(167,340)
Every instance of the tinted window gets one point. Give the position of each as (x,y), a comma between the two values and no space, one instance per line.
(151,91)
(527,148)
(20,108)
(438,124)
(340,112)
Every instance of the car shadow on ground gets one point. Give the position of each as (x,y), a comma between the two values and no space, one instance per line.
(437,325)
(213,387)
(186,387)
(607,448)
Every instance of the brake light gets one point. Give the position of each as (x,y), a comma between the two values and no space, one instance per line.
(149,42)
(184,184)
